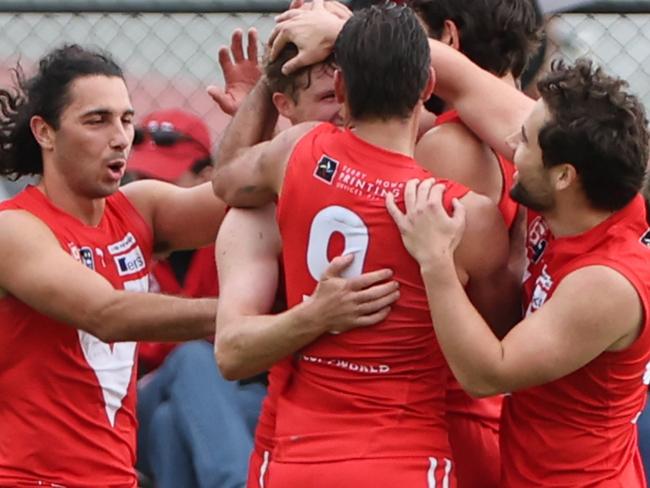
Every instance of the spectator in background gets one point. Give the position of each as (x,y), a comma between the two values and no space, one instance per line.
(195,427)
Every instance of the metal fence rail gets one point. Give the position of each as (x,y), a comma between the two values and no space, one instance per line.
(168,48)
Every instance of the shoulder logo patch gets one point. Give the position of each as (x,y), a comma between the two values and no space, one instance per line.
(326,169)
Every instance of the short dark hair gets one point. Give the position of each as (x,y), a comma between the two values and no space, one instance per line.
(497,35)
(599,128)
(46,94)
(290,84)
(384,57)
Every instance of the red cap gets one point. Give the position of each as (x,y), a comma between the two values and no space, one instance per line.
(169,163)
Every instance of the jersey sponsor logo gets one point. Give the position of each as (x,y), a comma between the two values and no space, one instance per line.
(348,365)
(124,245)
(326,169)
(74,251)
(87,259)
(645,238)
(537,239)
(543,285)
(131,262)
(113,367)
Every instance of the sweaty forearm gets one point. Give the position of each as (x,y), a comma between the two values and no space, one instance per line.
(248,345)
(131,316)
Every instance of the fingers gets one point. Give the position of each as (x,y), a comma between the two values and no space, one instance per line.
(225,60)
(295,63)
(377,304)
(278,39)
(237,45)
(338,9)
(287,15)
(460,212)
(374,318)
(393,210)
(410,194)
(221,98)
(423,189)
(435,203)
(368,279)
(337,266)
(377,292)
(253,40)
(296,4)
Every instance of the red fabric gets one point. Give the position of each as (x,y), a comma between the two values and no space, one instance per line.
(507,205)
(425,472)
(67,407)
(374,392)
(580,430)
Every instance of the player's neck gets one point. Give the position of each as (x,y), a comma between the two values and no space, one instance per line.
(87,210)
(396,135)
(574,216)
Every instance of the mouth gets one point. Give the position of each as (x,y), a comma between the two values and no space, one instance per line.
(117,168)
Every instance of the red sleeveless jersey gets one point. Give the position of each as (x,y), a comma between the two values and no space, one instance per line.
(459,402)
(374,392)
(67,407)
(580,430)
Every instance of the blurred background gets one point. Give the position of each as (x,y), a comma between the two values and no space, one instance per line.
(168,48)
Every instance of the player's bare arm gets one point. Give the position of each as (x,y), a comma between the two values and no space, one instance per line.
(249,165)
(181,218)
(491,108)
(69,292)
(453,152)
(594,309)
(249,340)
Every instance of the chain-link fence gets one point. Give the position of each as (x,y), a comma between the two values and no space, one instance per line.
(169,48)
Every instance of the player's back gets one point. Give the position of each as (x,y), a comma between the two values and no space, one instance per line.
(372,392)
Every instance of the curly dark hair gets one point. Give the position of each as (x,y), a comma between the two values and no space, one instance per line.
(599,128)
(45,94)
(384,57)
(498,35)
(300,79)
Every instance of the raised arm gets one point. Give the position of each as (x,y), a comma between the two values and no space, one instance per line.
(249,340)
(249,168)
(39,273)
(491,108)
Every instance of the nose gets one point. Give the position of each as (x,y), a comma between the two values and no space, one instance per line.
(122,135)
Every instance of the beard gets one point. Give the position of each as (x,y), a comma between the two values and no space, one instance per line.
(539,203)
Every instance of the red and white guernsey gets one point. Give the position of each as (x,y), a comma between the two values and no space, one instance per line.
(580,430)
(67,408)
(374,392)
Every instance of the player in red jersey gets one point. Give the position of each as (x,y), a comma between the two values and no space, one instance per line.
(499,37)
(578,363)
(249,250)
(76,253)
(365,407)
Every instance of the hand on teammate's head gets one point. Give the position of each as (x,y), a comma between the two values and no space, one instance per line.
(313,28)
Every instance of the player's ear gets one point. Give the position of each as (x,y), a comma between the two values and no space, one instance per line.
(429,87)
(284,105)
(451,35)
(42,131)
(339,86)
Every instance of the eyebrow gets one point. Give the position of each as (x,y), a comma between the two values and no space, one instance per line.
(524,137)
(104,111)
